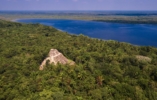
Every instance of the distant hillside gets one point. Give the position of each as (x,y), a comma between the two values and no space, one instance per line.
(103,70)
(135,17)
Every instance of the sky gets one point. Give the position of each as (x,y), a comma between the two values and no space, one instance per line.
(78,5)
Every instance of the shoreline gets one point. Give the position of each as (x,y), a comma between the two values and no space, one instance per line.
(126,22)
(105,21)
(16,20)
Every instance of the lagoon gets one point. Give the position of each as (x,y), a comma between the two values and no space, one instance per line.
(136,34)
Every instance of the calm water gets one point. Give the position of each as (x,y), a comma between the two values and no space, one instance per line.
(137,34)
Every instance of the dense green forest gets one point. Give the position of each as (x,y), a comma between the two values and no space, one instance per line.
(103,70)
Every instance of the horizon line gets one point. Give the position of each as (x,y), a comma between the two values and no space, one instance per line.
(78,10)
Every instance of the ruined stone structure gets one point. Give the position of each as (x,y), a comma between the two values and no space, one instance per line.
(55,57)
(143,58)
